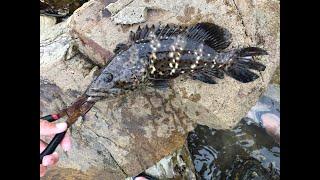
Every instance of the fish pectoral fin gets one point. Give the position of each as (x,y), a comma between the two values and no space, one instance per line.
(159,83)
(120,47)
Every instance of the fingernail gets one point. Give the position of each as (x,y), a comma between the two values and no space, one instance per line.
(45,161)
(61,126)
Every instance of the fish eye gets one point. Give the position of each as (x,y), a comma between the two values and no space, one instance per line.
(108,77)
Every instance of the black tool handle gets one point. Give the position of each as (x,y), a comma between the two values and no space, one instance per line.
(52,145)
(50,117)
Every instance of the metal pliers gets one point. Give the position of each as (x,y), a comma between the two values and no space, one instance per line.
(81,106)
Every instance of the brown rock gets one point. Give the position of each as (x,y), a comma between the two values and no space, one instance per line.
(129,134)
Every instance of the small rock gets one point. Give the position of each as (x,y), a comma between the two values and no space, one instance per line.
(46,22)
(114,8)
(131,15)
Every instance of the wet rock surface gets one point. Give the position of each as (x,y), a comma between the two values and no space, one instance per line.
(177,165)
(122,137)
(246,152)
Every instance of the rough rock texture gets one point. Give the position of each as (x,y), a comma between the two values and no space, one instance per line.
(178,165)
(250,22)
(46,22)
(125,136)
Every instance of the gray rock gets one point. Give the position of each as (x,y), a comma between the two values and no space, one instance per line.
(124,136)
(46,22)
(131,15)
(114,8)
(178,165)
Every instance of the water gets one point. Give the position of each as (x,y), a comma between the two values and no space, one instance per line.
(246,152)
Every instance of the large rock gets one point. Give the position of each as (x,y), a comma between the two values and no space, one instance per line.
(250,22)
(126,135)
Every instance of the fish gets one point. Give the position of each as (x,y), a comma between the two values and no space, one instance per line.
(155,55)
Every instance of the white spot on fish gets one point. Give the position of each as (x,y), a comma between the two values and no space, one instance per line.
(198,58)
(209,55)
(171,54)
(173,48)
(189,52)
(160,73)
(172,71)
(182,72)
(212,66)
(176,65)
(170,64)
(153,56)
(153,69)
(205,64)
(158,45)
(193,66)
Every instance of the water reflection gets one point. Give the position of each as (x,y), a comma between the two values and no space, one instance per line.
(246,152)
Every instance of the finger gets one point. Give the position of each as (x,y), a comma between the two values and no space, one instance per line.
(43,170)
(51,159)
(140,178)
(66,142)
(47,128)
(271,123)
(43,145)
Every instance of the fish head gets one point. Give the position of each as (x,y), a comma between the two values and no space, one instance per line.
(121,74)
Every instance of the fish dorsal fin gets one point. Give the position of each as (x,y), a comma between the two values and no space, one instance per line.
(143,34)
(210,34)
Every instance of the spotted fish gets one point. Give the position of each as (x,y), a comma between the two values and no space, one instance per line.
(155,55)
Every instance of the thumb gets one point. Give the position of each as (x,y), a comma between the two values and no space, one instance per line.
(48,128)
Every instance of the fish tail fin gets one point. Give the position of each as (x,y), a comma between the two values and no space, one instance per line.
(239,66)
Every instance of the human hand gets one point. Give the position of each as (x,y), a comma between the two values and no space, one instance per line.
(271,123)
(50,129)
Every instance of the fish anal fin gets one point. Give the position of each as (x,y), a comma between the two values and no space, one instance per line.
(204,78)
(214,72)
(243,75)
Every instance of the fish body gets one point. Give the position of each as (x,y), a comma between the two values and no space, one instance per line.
(153,56)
